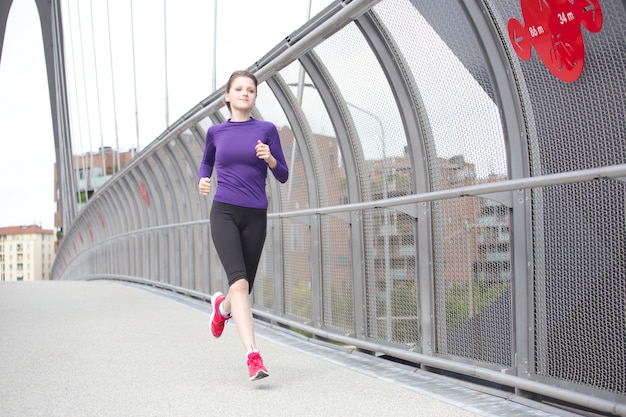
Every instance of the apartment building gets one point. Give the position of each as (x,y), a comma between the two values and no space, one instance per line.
(92,170)
(26,253)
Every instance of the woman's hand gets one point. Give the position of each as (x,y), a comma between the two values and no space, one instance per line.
(204,185)
(263,152)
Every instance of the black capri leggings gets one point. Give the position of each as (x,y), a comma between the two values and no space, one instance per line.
(238,235)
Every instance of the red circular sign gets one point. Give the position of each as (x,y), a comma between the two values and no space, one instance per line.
(553,28)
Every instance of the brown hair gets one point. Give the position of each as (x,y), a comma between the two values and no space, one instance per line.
(237,74)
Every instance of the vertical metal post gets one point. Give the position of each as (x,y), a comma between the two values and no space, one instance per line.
(387,249)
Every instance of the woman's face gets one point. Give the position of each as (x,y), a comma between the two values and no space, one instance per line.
(242,94)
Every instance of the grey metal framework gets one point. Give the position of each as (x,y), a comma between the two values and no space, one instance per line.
(449,204)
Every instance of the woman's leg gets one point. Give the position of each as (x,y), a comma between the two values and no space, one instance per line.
(253,227)
(239,234)
(238,304)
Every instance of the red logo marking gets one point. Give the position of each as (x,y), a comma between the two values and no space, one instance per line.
(144,194)
(90,231)
(553,28)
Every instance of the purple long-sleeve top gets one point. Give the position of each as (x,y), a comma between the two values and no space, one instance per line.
(241,175)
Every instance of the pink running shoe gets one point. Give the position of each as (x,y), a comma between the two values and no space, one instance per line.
(255,365)
(217,320)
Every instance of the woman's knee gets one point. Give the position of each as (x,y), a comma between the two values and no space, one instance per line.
(241,285)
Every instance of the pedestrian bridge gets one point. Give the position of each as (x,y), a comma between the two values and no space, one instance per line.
(456,204)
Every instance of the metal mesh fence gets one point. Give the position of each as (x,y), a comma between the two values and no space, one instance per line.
(337,289)
(391,287)
(297,269)
(473,293)
(578,230)
(580,287)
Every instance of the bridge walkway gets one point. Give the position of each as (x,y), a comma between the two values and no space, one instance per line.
(103,348)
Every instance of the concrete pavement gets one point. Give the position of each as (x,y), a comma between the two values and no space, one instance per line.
(100,348)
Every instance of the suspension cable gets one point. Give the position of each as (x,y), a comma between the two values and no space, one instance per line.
(132,30)
(117,142)
(95,64)
(167,107)
(80,129)
(82,59)
(214,78)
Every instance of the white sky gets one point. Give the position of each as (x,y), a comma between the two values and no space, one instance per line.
(103,112)
(247,30)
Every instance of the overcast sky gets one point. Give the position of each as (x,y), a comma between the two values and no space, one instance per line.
(101,74)
(247,30)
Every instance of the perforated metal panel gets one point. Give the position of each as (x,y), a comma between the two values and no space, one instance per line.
(578,230)
(296,235)
(337,289)
(466,146)
(580,287)
(473,291)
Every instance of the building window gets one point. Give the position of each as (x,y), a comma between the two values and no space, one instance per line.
(341,260)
